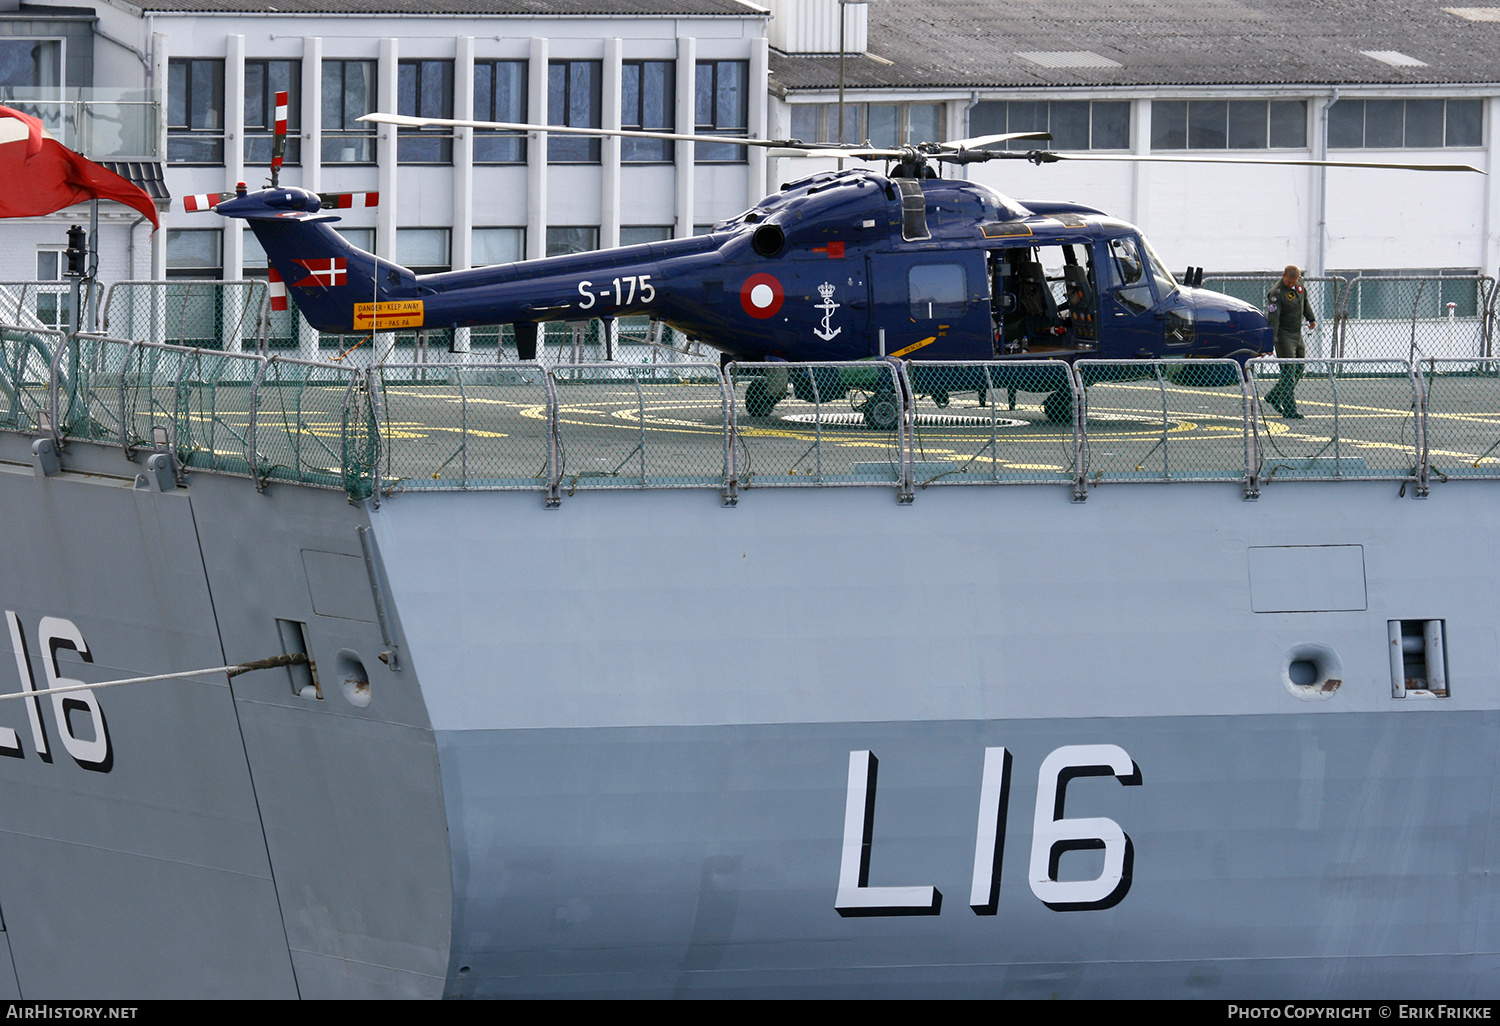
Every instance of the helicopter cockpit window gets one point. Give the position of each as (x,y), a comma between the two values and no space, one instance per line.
(938,291)
(1129,274)
(1165,283)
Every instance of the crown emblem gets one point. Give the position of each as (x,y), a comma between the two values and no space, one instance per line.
(826,290)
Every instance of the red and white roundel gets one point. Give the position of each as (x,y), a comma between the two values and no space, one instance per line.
(761,296)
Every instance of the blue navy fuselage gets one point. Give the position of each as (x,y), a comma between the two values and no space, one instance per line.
(838,266)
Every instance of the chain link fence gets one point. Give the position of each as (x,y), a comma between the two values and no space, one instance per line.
(569,427)
(44,304)
(231,316)
(1324,292)
(1386,317)
(641,426)
(473,426)
(27,376)
(1322,419)
(1174,420)
(230,413)
(826,423)
(1409,318)
(1462,433)
(631,341)
(305,423)
(993,423)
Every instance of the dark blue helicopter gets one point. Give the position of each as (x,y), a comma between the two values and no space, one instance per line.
(837,266)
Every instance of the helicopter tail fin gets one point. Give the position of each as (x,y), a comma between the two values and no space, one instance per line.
(338,287)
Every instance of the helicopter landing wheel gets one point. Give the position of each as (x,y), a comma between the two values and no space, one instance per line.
(759,402)
(881,411)
(1059,407)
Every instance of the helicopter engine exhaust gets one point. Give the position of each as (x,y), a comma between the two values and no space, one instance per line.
(768,240)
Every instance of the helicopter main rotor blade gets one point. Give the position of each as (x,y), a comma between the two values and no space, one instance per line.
(855,151)
(838,154)
(406,121)
(1047,157)
(980,142)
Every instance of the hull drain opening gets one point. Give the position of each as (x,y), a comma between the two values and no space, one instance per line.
(1312,671)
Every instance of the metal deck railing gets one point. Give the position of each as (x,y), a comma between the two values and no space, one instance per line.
(906,426)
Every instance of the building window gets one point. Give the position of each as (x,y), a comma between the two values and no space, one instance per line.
(195,111)
(562,241)
(648,102)
(1405,124)
(424,89)
(574,99)
(721,101)
(52,301)
(195,253)
(29,63)
(359,238)
(1228,124)
(423,250)
(348,93)
(263,80)
(636,234)
(1074,124)
(498,246)
(499,95)
(881,124)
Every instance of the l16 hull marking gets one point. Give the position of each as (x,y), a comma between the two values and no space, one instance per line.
(1053,835)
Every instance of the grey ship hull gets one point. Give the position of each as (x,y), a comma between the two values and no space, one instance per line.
(612,755)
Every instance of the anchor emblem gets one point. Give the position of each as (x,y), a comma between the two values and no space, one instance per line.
(828,306)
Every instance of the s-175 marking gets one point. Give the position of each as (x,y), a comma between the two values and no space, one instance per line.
(624,292)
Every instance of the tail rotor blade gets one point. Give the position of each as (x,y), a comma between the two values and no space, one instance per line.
(278,146)
(204,201)
(345,200)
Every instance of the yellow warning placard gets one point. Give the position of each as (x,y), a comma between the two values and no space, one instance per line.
(915,346)
(401,313)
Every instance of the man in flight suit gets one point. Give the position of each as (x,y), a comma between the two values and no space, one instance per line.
(1287,306)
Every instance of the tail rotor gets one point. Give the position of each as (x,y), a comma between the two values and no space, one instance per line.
(278,145)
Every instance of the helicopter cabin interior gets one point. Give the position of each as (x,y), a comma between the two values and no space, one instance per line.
(1046,300)
(1043,299)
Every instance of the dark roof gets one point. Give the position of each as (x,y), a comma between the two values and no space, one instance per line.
(145,173)
(976,43)
(531,8)
(48,11)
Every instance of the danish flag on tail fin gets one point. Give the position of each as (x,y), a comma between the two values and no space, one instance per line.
(327,273)
(277,291)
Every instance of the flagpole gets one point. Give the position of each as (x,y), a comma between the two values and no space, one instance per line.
(93,307)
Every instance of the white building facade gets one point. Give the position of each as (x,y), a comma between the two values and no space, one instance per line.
(447,198)
(1235,85)
(182,89)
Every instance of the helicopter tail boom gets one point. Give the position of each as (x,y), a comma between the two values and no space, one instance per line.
(342,289)
(338,287)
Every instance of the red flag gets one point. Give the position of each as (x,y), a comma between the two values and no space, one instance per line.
(42,175)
